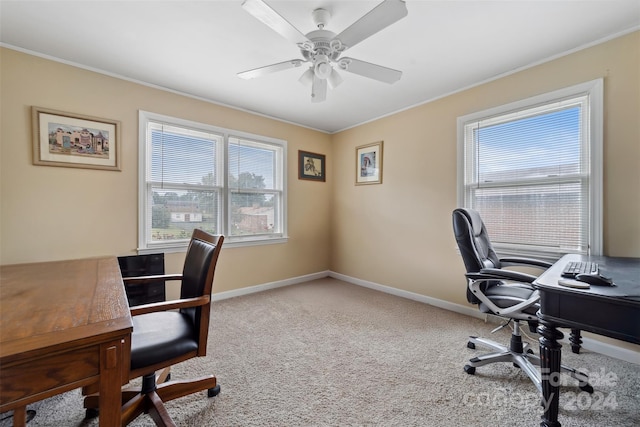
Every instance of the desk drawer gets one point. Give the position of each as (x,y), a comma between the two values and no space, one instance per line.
(39,378)
(609,317)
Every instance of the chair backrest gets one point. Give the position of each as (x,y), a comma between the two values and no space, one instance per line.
(197,278)
(474,244)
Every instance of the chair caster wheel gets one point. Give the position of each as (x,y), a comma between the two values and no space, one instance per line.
(213,391)
(91,413)
(529,351)
(587,388)
(469,369)
(471,345)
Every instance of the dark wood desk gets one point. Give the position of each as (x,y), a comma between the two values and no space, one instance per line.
(63,325)
(609,311)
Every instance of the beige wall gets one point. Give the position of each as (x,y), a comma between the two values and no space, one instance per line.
(399,233)
(396,234)
(53,213)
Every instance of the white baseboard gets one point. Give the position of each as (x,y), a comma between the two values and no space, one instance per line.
(611,350)
(590,344)
(469,311)
(266,286)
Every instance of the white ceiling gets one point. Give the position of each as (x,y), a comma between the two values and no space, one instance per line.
(197,47)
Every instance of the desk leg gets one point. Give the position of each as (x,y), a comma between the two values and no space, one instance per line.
(111,365)
(576,340)
(550,370)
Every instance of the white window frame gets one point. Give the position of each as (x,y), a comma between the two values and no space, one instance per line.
(145,246)
(593,90)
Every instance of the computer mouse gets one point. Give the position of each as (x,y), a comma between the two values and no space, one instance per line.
(595,279)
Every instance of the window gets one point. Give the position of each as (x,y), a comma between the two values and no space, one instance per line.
(533,169)
(194,175)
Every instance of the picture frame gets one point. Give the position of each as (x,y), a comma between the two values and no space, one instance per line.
(75,140)
(369,164)
(311,166)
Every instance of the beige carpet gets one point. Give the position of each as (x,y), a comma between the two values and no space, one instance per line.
(328,353)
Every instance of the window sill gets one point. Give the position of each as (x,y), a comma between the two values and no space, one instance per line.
(229,242)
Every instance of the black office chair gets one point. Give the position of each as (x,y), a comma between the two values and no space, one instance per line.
(501,292)
(169,332)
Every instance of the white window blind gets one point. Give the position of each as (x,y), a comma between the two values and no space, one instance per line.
(529,172)
(183,181)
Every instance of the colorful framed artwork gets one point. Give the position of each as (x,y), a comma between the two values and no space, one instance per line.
(311,166)
(75,140)
(369,164)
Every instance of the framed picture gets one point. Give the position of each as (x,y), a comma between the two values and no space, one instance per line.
(369,164)
(311,166)
(74,140)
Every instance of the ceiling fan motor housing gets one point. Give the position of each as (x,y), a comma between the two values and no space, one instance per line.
(321,17)
(323,43)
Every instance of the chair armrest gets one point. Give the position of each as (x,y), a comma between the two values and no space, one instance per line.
(141,280)
(501,274)
(515,311)
(170,305)
(525,261)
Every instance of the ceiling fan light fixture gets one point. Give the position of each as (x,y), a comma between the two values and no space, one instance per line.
(322,67)
(307,77)
(334,79)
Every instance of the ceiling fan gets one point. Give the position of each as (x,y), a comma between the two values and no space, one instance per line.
(322,48)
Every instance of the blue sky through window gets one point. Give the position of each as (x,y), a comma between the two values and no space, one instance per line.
(534,142)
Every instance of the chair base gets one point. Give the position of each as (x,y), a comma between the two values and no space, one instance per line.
(150,398)
(522,357)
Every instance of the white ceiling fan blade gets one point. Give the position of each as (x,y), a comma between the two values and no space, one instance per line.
(259,72)
(373,71)
(272,19)
(383,15)
(334,79)
(318,90)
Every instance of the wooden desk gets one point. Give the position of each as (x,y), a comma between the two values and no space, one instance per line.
(63,325)
(609,311)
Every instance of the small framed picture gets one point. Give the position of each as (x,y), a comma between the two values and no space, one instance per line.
(75,140)
(369,164)
(311,166)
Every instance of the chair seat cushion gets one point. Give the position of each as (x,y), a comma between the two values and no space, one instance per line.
(508,295)
(161,336)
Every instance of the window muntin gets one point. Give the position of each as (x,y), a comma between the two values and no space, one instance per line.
(199,176)
(533,171)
